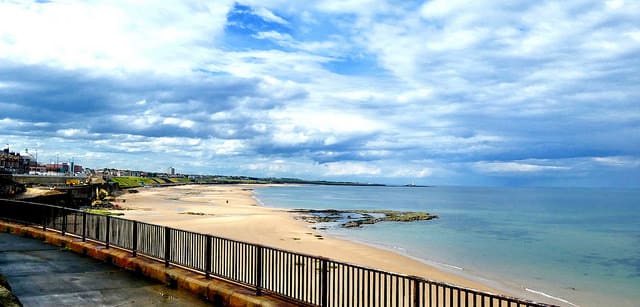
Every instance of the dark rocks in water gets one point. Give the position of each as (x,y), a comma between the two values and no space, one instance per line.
(357,218)
(351,224)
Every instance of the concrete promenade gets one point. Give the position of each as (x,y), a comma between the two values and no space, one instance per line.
(41,274)
(45,268)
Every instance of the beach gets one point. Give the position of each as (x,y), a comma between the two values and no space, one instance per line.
(231,211)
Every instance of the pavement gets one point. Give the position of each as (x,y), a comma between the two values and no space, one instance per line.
(45,275)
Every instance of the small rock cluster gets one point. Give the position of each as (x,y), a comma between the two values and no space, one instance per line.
(357,218)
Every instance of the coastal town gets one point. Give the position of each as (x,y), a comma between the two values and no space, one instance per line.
(22,170)
(26,163)
(22,176)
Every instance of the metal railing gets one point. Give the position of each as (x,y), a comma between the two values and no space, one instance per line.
(304,279)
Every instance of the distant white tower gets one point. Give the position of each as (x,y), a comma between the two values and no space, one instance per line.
(171,171)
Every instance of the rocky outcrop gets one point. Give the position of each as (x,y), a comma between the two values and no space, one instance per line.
(357,218)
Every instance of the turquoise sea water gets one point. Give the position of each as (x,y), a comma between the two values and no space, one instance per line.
(581,246)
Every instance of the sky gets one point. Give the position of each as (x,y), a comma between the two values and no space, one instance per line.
(483,93)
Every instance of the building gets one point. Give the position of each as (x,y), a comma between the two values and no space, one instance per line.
(12,162)
(171,171)
(63,167)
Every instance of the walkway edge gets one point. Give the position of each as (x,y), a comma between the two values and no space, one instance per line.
(7,298)
(216,291)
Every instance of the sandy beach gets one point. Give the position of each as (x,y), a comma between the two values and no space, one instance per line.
(231,211)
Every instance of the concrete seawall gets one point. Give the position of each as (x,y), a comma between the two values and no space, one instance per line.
(43,180)
(218,292)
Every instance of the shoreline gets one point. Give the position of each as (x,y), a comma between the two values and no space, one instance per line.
(499,286)
(235,212)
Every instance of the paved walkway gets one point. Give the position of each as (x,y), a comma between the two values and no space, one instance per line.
(45,275)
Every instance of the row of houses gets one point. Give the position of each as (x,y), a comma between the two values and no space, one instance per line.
(12,162)
(24,163)
(112,172)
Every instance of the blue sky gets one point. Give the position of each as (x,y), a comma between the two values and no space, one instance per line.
(526,93)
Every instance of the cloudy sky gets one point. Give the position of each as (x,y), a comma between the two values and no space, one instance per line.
(516,93)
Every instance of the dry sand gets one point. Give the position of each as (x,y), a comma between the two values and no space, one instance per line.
(231,211)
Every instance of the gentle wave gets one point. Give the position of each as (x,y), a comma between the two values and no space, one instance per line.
(258,200)
(451,266)
(559,299)
(404,252)
(438,264)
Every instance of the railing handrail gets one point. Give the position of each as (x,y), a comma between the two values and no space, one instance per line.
(259,287)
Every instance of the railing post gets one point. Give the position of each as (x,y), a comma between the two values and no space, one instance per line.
(106,240)
(75,223)
(52,218)
(97,219)
(167,246)
(44,219)
(64,222)
(258,270)
(416,292)
(84,226)
(134,248)
(324,279)
(207,255)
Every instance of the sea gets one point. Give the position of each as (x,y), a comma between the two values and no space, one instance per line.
(566,246)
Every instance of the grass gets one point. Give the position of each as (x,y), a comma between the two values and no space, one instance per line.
(180,180)
(103,212)
(133,181)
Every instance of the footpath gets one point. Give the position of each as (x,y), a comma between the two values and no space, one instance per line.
(45,268)
(41,274)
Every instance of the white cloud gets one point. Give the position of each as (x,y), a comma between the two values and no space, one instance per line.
(303,123)
(366,7)
(8,122)
(614,4)
(363,94)
(618,161)
(287,135)
(259,63)
(411,173)
(227,147)
(515,167)
(287,40)
(72,132)
(182,123)
(111,38)
(171,142)
(269,15)
(274,35)
(415,95)
(351,169)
